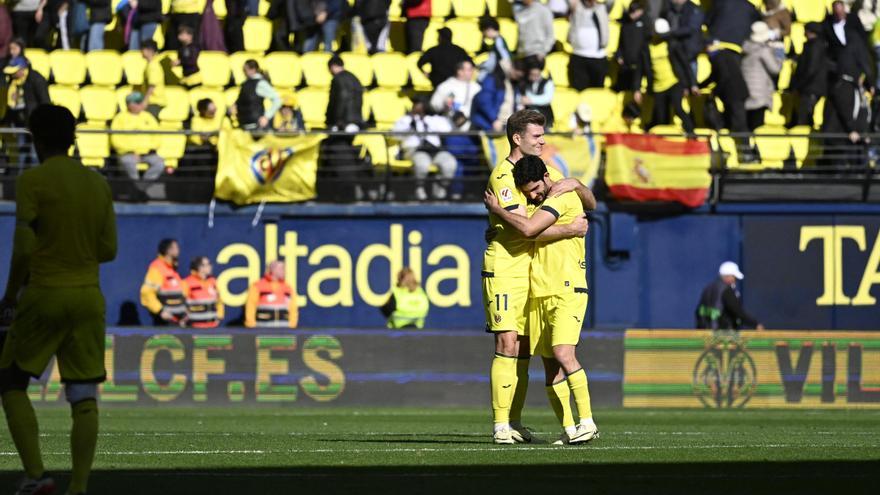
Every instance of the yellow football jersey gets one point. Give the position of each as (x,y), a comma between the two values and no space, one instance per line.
(508,255)
(560,267)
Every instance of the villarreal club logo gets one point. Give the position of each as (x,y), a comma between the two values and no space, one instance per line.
(267,164)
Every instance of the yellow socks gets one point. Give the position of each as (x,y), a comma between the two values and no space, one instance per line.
(25,433)
(560,400)
(522,387)
(577,382)
(503,383)
(83,437)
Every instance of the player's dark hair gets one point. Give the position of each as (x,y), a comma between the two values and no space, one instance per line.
(165,244)
(529,168)
(203,104)
(186,29)
(52,127)
(489,23)
(335,60)
(197,262)
(149,45)
(519,121)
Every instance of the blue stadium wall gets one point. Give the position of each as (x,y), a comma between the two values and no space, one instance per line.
(807,266)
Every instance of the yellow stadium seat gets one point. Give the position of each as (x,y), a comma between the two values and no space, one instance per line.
(133,64)
(99,103)
(68,66)
(799,138)
(617,9)
(704,67)
(560,31)
(387,105)
(727,146)
(214,68)
(430,39)
(773,145)
(613,37)
(121,93)
(395,12)
(93,147)
(214,94)
(785,75)
(468,8)
(419,80)
(564,103)
(314,67)
(774,116)
(230,96)
(819,113)
(557,67)
(219,8)
(509,31)
(236,64)
(171,146)
(466,34)
(177,105)
(66,96)
(264,7)
(441,8)
(358,64)
(257,34)
(796,38)
(392,71)
(284,69)
(603,103)
(39,61)
(104,67)
(376,146)
(668,131)
(313,104)
(810,10)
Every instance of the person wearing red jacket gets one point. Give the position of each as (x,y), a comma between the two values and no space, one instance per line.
(204,308)
(271,302)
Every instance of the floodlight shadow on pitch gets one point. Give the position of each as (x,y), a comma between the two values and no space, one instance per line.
(53,126)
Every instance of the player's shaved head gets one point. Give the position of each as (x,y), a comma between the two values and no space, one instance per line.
(529,168)
(53,129)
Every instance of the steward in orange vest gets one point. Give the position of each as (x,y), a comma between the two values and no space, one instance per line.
(204,309)
(162,292)
(271,302)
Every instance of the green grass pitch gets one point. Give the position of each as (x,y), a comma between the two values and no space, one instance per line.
(370,450)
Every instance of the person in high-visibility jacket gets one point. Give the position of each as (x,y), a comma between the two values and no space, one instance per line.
(204,308)
(162,291)
(408,305)
(271,302)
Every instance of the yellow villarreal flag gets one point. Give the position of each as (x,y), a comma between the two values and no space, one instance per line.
(271,169)
(642,167)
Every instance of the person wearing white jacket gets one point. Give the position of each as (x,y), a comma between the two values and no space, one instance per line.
(456,93)
(425,149)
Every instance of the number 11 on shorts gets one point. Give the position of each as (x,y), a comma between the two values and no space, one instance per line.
(498,298)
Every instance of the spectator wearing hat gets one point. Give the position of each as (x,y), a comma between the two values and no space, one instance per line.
(760,68)
(132,149)
(669,79)
(720,306)
(588,33)
(26,90)
(344,109)
(535,24)
(443,58)
(809,82)
(289,118)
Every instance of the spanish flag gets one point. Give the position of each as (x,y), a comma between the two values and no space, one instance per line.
(271,169)
(642,167)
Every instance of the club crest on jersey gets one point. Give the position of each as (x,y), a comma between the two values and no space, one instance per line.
(506,195)
(267,164)
(498,318)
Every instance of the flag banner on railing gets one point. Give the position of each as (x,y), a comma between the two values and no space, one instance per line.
(273,169)
(574,156)
(642,167)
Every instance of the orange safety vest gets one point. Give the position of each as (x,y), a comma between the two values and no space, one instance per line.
(170,293)
(201,304)
(273,303)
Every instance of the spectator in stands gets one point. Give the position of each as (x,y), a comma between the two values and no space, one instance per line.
(810,79)
(418,15)
(686,29)
(132,149)
(588,33)
(271,302)
(670,79)
(204,308)
(493,103)
(26,90)
(760,67)
(444,58)
(730,22)
(26,16)
(374,19)
(249,106)
(344,110)
(425,150)
(299,18)
(205,125)
(184,13)
(408,305)
(162,290)
(456,93)
(188,57)
(633,57)
(99,16)
(720,306)
(335,11)
(846,46)
(778,19)
(233,27)
(289,118)
(730,86)
(153,86)
(535,23)
(56,29)
(147,17)
(16,49)
(494,44)
(538,90)
(866,12)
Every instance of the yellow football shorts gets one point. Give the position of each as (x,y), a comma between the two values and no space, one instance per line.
(505,300)
(65,322)
(557,320)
